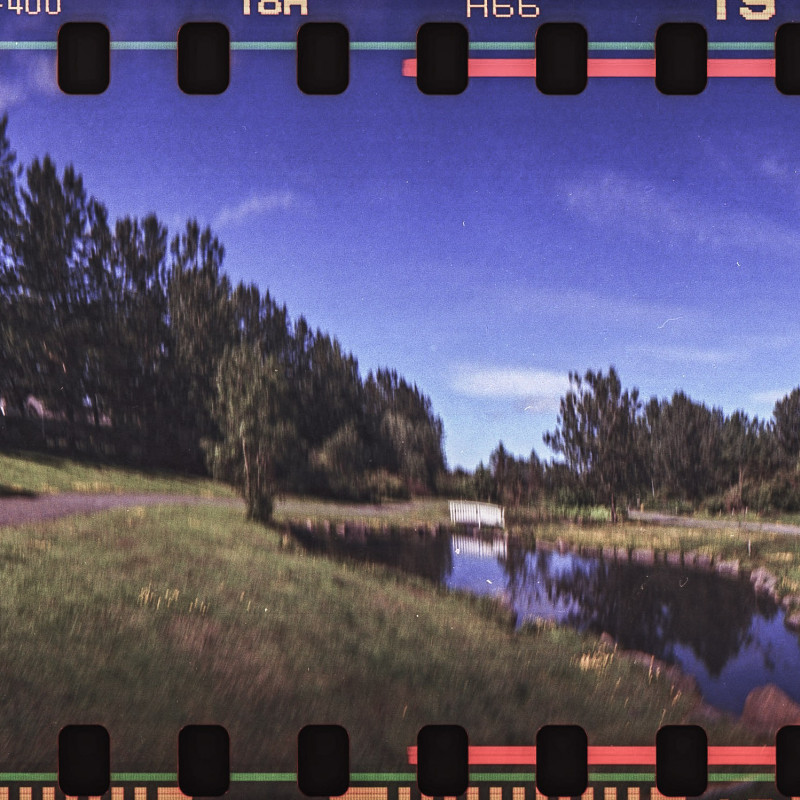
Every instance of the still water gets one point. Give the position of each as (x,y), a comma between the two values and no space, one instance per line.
(714,627)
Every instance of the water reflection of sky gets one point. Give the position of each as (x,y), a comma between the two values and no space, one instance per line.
(714,627)
(766,652)
(771,655)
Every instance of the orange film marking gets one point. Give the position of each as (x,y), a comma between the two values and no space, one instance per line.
(610,793)
(25,793)
(404,793)
(656,795)
(473,793)
(140,793)
(608,756)
(48,792)
(633,793)
(117,793)
(366,793)
(4,793)
(518,793)
(607,68)
(539,795)
(588,794)
(170,793)
(496,793)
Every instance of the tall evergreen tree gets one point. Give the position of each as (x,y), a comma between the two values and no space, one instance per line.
(12,365)
(57,299)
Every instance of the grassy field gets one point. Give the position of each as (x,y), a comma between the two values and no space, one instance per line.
(145,620)
(40,473)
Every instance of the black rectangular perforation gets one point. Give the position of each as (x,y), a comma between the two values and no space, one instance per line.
(84,58)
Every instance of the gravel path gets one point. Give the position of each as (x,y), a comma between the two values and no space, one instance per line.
(689,522)
(19,510)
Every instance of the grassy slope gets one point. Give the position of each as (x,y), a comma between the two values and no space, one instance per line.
(147,619)
(48,474)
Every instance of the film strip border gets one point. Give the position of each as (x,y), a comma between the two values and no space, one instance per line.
(512,769)
(495,786)
(560,58)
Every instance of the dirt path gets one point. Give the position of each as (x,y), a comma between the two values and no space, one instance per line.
(689,522)
(19,510)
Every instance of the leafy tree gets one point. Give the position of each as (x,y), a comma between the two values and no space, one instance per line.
(787,426)
(596,434)
(201,322)
(251,412)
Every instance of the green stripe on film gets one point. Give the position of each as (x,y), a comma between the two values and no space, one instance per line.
(144,45)
(380,777)
(28,45)
(741,46)
(742,777)
(263,45)
(502,45)
(263,777)
(396,46)
(501,776)
(383,45)
(23,777)
(621,46)
(153,777)
(622,777)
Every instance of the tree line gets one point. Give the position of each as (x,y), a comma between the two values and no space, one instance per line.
(614,449)
(139,347)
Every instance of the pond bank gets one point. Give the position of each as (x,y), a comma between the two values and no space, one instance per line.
(643,599)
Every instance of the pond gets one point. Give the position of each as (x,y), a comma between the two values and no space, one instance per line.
(715,628)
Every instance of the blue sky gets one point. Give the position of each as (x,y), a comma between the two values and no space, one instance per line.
(484,245)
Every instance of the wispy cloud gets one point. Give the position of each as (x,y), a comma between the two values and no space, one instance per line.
(37,76)
(651,210)
(691,355)
(540,390)
(256,204)
(601,309)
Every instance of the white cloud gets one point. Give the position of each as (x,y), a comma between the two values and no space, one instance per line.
(257,204)
(540,390)
(38,76)
(610,199)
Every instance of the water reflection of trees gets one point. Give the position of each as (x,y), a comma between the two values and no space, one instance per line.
(654,608)
(415,552)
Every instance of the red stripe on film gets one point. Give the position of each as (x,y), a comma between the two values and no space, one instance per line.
(608,756)
(741,68)
(608,68)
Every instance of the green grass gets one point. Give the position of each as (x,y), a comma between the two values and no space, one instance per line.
(421,511)
(779,553)
(147,619)
(48,474)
